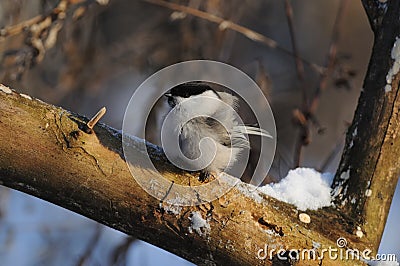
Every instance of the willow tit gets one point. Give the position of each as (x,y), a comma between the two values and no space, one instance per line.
(218,121)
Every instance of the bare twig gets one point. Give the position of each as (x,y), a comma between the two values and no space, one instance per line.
(298,61)
(300,117)
(289,16)
(118,256)
(303,136)
(28,24)
(263,80)
(309,112)
(41,33)
(91,245)
(331,57)
(227,24)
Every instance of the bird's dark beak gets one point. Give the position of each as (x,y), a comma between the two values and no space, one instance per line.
(170,99)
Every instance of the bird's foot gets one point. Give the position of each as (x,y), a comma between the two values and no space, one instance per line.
(205,176)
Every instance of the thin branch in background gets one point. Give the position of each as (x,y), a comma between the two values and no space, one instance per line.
(41,34)
(263,80)
(308,113)
(35,22)
(91,245)
(300,118)
(331,57)
(229,37)
(227,24)
(118,256)
(304,136)
(298,62)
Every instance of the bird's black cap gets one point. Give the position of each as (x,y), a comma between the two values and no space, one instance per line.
(188,89)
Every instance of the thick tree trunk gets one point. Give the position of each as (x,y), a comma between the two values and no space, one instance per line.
(370,165)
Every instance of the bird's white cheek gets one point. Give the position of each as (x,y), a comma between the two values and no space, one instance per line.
(203,106)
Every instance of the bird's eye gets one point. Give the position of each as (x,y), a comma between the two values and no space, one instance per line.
(171,101)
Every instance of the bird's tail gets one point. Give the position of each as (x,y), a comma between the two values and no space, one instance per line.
(238,135)
(249,130)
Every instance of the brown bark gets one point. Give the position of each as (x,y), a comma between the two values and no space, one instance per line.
(43,152)
(370,165)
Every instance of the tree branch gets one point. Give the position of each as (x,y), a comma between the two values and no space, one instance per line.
(227,24)
(370,165)
(44,153)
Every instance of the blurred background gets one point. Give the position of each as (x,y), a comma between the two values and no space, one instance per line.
(85,54)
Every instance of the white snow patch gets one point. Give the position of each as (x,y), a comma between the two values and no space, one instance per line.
(197,223)
(316,245)
(5,89)
(355,132)
(271,232)
(345,175)
(359,233)
(344,201)
(25,96)
(337,191)
(351,144)
(250,191)
(173,205)
(305,188)
(174,209)
(396,65)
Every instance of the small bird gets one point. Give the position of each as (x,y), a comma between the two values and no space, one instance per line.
(202,112)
